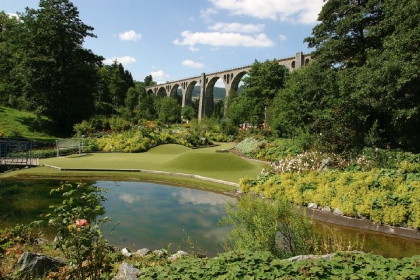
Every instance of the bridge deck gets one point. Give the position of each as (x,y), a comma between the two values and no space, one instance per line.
(20,161)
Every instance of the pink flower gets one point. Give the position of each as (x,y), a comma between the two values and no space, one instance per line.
(81,223)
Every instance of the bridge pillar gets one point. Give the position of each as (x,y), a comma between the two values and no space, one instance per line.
(201,101)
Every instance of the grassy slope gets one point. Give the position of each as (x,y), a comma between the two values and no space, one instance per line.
(171,158)
(14,123)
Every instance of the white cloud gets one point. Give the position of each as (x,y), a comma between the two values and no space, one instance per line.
(130,35)
(299,11)
(237,27)
(206,14)
(218,39)
(129,198)
(122,59)
(159,76)
(282,37)
(190,63)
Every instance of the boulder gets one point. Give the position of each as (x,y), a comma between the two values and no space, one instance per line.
(35,266)
(326,209)
(142,252)
(159,253)
(178,255)
(310,257)
(127,272)
(312,206)
(338,212)
(126,252)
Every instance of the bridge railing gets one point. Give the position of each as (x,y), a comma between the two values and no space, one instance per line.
(16,152)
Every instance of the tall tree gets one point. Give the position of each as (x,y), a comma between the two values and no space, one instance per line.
(260,87)
(59,74)
(344,35)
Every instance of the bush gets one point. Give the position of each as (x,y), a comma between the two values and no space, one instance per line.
(266,225)
(382,195)
(79,234)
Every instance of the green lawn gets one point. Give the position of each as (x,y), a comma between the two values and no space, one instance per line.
(205,162)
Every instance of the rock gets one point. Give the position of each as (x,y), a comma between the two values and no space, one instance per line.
(325,163)
(326,209)
(127,272)
(35,266)
(177,256)
(159,253)
(312,206)
(142,252)
(337,212)
(310,257)
(41,241)
(126,252)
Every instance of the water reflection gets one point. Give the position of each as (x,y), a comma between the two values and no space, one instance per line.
(155,216)
(152,216)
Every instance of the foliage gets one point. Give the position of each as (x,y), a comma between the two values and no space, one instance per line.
(168,110)
(381,195)
(262,265)
(263,225)
(53,72)
(247,146)
(264,81)
(79,234)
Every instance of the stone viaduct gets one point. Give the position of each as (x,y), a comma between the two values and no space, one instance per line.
(230,78)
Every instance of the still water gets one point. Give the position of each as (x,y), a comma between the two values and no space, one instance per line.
(155,216)
(143,215)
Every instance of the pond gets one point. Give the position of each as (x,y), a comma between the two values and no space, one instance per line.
(156,216)
(145,215)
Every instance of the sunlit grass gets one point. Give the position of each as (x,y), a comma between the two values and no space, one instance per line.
(14,123)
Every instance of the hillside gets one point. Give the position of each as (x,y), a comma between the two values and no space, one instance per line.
(15,123)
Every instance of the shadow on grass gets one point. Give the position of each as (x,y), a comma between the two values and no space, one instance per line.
(36,125)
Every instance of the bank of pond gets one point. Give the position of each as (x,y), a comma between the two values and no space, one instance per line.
(155,216)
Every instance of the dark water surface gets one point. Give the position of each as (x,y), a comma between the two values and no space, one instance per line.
(155,216)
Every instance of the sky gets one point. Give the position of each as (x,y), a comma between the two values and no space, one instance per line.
(177,39)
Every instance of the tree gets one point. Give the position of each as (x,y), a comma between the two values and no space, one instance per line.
(146,105)
(344,35)
(114,84)
(188,113)
(260,87)
(57,73)
(9,92)
(168,110)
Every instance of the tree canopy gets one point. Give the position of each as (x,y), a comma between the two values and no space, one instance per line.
(54,74)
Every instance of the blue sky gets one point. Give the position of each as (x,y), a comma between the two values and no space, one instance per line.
(176,39)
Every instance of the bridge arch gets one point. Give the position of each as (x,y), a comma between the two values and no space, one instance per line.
(231,79)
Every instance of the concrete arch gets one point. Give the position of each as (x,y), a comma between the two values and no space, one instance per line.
(187,95)
(174,91)
(161,92)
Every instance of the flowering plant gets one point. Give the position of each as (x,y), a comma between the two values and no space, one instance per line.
(82,242)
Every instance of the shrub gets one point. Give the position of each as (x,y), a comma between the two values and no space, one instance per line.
(382,195)
(265,225)
(79,234)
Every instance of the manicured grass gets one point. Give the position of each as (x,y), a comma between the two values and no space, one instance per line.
(170,158)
